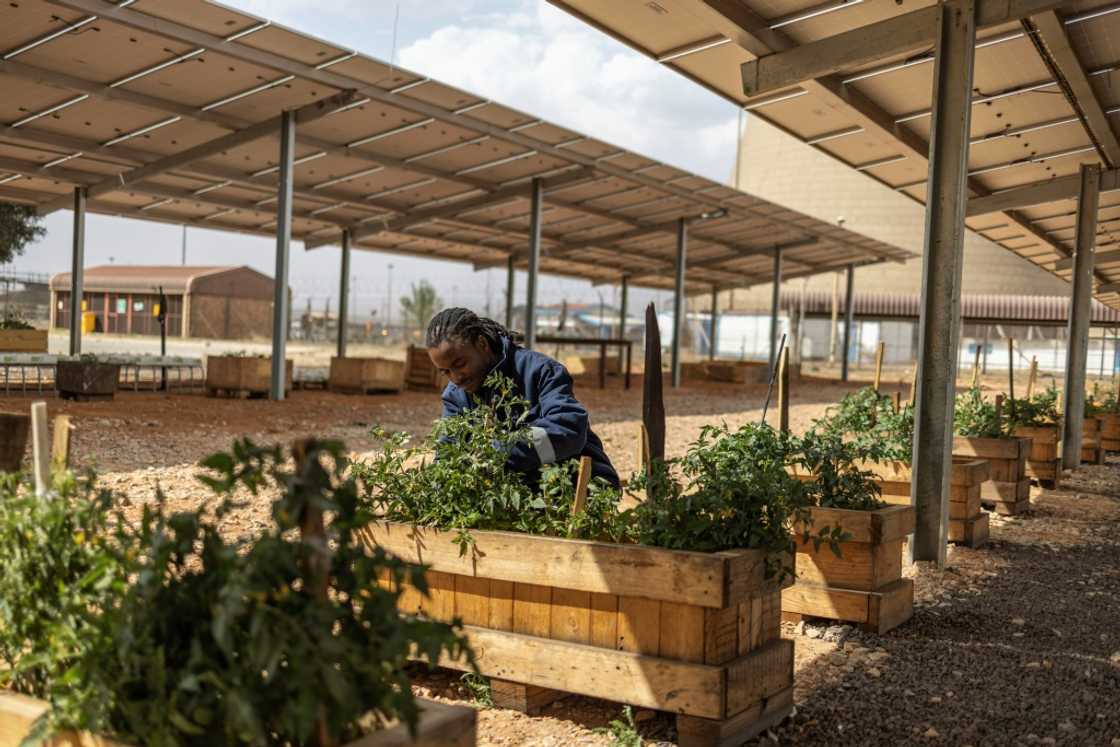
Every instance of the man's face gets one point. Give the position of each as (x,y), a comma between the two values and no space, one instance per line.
(464,364)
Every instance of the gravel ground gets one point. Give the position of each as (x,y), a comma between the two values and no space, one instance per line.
(1016,643)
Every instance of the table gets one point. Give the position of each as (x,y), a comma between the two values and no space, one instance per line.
(602,344)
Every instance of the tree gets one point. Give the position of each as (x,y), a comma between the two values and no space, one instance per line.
(420,305)
(19,226)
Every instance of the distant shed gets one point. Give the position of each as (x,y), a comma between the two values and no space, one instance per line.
(216,302)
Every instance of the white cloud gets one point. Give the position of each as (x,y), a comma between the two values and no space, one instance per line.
(544,62)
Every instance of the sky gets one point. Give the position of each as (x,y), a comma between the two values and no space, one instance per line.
(524,53)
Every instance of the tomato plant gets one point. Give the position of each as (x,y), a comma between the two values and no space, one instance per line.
(868,421)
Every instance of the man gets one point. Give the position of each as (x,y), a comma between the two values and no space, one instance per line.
(467,348)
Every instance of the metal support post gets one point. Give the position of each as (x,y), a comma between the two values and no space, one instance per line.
(534,264)
(624,301)
(679,301)
(344,294)
(849,314)
(715,324)
(77,271)
(281,302)
(1077,351)
(942,260)
(775,301)
(510,277)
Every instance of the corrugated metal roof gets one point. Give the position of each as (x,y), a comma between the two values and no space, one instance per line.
(170,115)
(974,308)
(1045,99)
(146,278)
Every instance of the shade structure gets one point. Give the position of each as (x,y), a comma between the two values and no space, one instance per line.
(170,112)
(853,79)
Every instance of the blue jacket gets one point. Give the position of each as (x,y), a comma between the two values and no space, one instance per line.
(561,428)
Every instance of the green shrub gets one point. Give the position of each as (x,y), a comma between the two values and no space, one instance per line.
(838,481)
(976,417)
(1035,411)
(867,420)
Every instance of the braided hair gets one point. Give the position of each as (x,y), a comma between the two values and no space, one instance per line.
(465,326)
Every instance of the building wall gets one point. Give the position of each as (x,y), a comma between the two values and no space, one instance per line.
(121,313)
(227,318)
(777,167)
(239,282)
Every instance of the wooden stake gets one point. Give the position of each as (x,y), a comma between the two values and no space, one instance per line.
(60,448)
(40,448)
(783,391)
(643,448)
(976,369)
(999,408)
(897,401)
(582,479)
(653,400)
(1032,376)
(879,364)
(914,386)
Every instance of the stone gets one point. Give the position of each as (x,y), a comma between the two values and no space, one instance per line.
(931,733)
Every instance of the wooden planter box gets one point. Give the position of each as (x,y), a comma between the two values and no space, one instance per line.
(365,375)
(864,585)
(83,381)
(440,725)
(419,373)
(24,340)
(1008,491)
(1110,431)
(1091,451)
(696,634)
(968,525)
(13,439)
(1044,463)
(236,375)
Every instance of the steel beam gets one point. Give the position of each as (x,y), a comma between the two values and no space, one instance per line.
(1080,310)
(1099,259)
(849,313)
(1039,193)
(280,303)
(77,270)
(343,294)
(537,199)
(942,260)
(897,35)
(715,323)
(679,301)
(775,300)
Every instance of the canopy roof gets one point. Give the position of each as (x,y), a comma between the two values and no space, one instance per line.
(169,111)
(853,79)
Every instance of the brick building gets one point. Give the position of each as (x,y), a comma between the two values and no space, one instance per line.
(227,303)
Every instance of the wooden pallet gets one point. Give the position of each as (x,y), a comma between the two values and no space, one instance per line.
(864,583)
(695,634)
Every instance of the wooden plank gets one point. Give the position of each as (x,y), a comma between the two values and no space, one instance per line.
(682,632)
(966,509)
(969,532)
(995,490)
(472,600)
(501,605)
(522,698)
(532,609)
(770,615)
(886,560)
(819,601)
(604,620)
(440,602)
(895,522)
(639,625)
(760,674)
(987,448)
(410,601)
(60,443)
(891,606)
(723,633)
(740,728)
(40,451)
(1048,434)
(571,616)
(637,679)
(625,570)
(440,725)
(18,714)
(853,569)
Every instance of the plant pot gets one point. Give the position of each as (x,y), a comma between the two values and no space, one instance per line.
(1008,491)
(242,376)
(365,375)
(84,381)
(864,585)
(440,725)
(696,634)
(1110,431)
(419,371)
(24,340)
(1044,463)
(968,525)
(1091,451)
(14,428)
